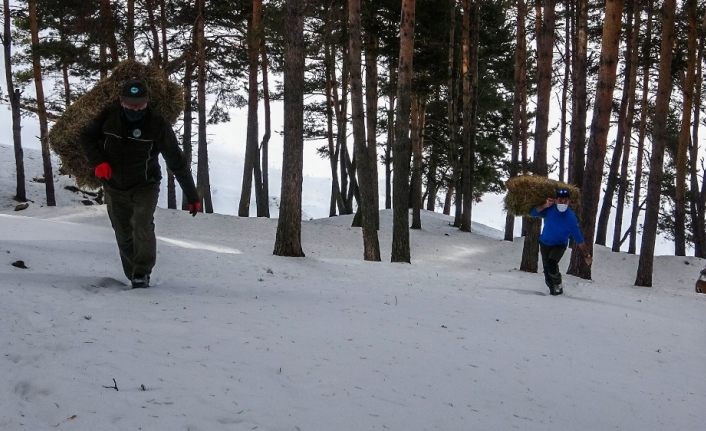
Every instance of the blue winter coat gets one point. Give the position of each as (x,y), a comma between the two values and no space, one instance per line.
(558,226)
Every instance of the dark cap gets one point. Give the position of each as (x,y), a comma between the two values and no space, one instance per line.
(135,92)
(562,193)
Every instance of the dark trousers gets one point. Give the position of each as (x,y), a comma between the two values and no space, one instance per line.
(551,255)
(131,213)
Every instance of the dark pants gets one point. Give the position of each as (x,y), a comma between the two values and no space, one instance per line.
(551,255)
(131,213)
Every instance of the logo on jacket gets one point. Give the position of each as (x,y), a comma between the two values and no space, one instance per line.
(136,133)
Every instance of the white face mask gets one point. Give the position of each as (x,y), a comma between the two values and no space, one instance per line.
(562,207)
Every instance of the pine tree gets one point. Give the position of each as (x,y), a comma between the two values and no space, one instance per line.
(664,89)
(288,238)
(401,149)
(14,96)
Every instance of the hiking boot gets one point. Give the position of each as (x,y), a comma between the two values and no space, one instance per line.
(557,289)
(140,281)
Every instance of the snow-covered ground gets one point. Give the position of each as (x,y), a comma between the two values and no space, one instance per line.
(231,337)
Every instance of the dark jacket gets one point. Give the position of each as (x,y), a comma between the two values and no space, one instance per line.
(558,226)
(132,149)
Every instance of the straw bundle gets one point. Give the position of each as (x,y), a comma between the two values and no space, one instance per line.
(165,98)
(527,191)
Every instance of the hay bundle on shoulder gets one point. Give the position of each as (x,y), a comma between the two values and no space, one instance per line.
(165,98)
(527,191)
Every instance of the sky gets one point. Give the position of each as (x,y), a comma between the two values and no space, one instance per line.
(230,337)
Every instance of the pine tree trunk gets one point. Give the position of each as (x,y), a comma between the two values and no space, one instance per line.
(64,66)
(644,109)
(545,23)
(598,139)
(467,75)
(451,108)
(288,238)
(696,204)
(621,135)
(108,31)
(415,189)
(371,102)
(341,109)
(336,197)
(14,96)
(162,63)
(367,206)
(579,104)
(388,146)
(163,27)
(684,135)
(432,184)
(659,140)
(202,174)
(263,189)
(565,93)
(130,29)
(21,181)
(401,149)
(152,22)
(188,120)
(251,150)
(632,57)
(448,200)
(519,109)
(41,107)
(464,186)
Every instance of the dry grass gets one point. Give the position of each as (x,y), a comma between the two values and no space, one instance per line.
(165,98)
(527,191)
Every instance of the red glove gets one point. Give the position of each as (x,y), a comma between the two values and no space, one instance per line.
(103,171)
(194,208)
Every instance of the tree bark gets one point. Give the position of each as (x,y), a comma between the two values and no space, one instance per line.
(545,22)
(577,145)
(565,90)
(631,83)
(202,174)
(336,201)
(659,140)
(417,121)
(108,31)
(697,204)
(288,238)
(14,96)
(644,109)
(41,107)
(251,147)
(622,135)
(465,202)
(263,190)
(130,30)
(451,109)
(152,22)
(390,143)
(188,119)
(519,107)
(684,135)
(598,139)
(401,149)
(371,102)
(367,206)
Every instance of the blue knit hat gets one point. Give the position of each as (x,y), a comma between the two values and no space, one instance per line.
(562,193)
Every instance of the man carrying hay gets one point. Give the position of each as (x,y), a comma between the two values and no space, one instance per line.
(560,223)
(122,145)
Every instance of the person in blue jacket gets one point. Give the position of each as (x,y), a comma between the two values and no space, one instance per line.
(560,224)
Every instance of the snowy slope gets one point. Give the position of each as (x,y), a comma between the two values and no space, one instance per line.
(234,338)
